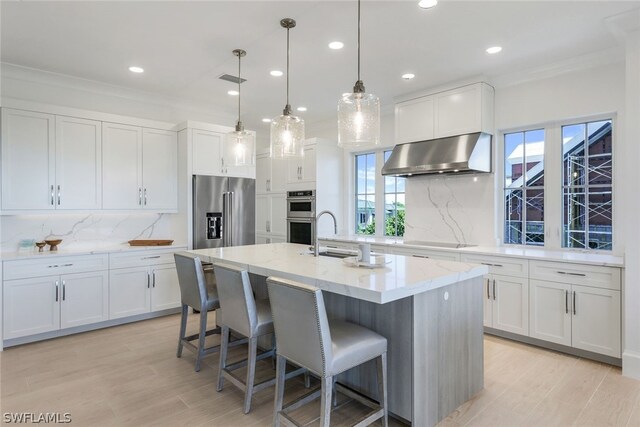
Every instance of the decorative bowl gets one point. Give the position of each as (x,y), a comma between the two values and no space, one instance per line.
(53,243)
(41,245)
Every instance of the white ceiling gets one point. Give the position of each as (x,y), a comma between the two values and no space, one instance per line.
(184,46)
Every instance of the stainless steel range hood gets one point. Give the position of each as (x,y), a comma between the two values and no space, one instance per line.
(456,154)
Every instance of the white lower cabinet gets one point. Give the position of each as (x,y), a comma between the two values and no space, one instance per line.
(271,216)
(45,304)
(139,290)
(506,304)
(582,317)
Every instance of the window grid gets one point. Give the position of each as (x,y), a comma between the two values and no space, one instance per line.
(587,218)
(524,193)
(365,207)
(394,203)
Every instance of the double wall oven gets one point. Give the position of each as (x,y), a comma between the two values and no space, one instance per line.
(301,217)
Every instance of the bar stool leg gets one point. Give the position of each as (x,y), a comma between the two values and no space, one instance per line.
(201,337)
(325,401)
(224,344)
(381,364)
(251,373)
(183,328)
(281,366)
(335,392)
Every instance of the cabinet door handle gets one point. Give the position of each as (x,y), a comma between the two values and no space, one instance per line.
(59,195)
(52,196)
(64,290)
(574,303)
(148,280)
(566,302)
(488,291)
(145,197)
(140,196)
(494,289)
(268,226)
(151,257)
(154,278)
(57,283)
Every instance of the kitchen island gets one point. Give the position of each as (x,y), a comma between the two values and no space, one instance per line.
(430,312)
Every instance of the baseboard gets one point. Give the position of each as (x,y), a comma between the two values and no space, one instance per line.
(85,328)
(631,364)
(556,347)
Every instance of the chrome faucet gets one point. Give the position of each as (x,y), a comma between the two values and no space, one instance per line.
(316,247)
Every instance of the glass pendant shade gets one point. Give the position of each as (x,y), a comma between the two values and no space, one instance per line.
(239,147)
(358,120)
(287,136)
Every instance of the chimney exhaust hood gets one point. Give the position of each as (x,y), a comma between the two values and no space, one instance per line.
(469,153)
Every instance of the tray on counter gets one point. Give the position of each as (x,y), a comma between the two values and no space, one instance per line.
(150,242)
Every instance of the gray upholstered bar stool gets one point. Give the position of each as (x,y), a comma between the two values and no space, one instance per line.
(327,348)
(197,293)
(243,314)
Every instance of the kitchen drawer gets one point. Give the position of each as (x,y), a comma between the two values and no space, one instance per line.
(143,259)
(576,274)
(54,265)
(515,267)
(337,245)
(426,253)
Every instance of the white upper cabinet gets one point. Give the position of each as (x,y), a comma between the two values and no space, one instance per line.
(414,120)
(263,173)
(78,163)
(303,170)
(28,160)
(50,162)
(159,170)
(212,155)
(467,109)
(207,152)
(271,174)
(121,166)
(140,168)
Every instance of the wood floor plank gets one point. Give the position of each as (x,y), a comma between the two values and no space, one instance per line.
(129,376)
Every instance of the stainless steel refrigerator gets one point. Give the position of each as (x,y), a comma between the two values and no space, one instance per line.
(224,211)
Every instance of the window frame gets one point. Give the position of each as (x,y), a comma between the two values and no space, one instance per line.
(553,187)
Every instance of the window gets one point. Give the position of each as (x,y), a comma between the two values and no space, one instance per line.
(587,164)
(365,203)
(524,187)
(394,212)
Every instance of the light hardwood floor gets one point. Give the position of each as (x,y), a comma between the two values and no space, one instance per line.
(129,376)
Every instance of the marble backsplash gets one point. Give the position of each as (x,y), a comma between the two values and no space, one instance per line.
(88,231)
(451,209)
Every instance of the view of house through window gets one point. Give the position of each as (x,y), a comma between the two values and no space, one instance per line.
(524,187)
(365,193)
(393,203)
(587,217)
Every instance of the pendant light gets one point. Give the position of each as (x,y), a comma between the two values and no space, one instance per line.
(240,143)
(287,131)
(358,113)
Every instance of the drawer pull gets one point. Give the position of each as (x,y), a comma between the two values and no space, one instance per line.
(571,274)
(57,265)
(151,257)
(491,265)
(420,256)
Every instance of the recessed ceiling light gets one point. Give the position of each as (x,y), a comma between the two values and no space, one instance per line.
(303,109)
(408,76)
(336,45)
(494,49)
(276,73)
(136,69)
(233,92)
(427,4)
(266,120)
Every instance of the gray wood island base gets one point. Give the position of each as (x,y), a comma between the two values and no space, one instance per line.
(429,311)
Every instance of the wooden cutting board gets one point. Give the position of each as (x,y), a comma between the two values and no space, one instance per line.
(150,242)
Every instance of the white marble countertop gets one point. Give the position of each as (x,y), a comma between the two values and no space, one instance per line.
(10,256)
(400,278)
(574,256)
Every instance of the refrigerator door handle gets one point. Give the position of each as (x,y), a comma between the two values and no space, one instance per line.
(230,219)
(225,219)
